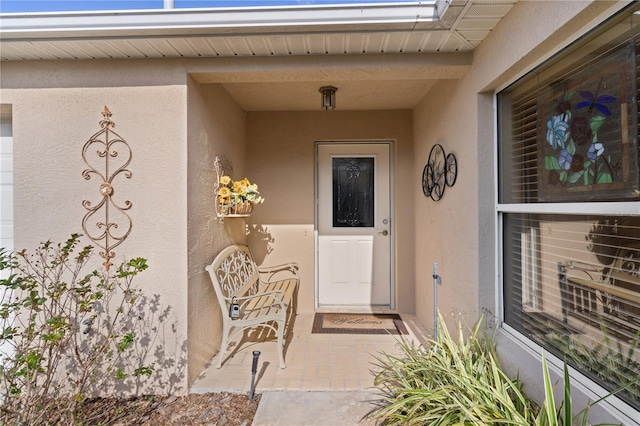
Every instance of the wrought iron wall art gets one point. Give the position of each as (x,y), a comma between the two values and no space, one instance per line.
(108,145)
(441,171)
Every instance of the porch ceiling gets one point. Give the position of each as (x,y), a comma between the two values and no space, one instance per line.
(351,95)
(366,31)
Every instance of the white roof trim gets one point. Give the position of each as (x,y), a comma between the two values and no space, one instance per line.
(218,20)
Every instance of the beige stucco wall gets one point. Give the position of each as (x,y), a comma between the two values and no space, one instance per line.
(280,155)
(50,127)
(446,231)
(216,128)
(459,234)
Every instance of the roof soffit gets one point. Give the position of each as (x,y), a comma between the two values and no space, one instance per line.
(374,28)
(380,55)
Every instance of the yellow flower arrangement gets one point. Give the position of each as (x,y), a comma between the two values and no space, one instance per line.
(237,196)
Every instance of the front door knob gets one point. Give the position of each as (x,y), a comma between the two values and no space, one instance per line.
(384,233)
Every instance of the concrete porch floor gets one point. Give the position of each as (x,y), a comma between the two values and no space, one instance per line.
(315,362)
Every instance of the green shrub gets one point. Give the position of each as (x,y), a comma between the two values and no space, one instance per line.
(460,382)
(63,331)
(609,360)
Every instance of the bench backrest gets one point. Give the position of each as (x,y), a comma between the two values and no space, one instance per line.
(625,271)
(233,272)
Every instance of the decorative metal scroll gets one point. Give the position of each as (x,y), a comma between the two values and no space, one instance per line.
(223,167)
(104,233)
(353,174)
(235,271)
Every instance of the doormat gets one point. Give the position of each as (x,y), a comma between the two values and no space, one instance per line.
(340,323)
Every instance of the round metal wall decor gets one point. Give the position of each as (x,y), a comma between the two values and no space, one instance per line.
(440,171)
(427,178)
(451,168)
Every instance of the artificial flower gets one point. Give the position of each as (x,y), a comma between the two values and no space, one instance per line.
(595,151)
(556,130)
(235,193)
(565,159)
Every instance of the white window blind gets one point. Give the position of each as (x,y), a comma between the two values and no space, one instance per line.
(568,143)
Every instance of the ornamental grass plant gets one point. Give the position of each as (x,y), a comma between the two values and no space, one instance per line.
(609,360)
(458,381)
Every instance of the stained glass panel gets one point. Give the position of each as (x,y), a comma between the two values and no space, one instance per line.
(353,192)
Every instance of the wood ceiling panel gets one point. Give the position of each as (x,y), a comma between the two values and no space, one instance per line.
(117,48)
(184,47)
(317,44)
(278,45)
(355,43)
(203,47)
(336,44)
(18,51)
(89,49)
(297,45)
(258,45)
(474,36)
(374,43)
(157,48)
(221,46)
(46,49)
(239,46)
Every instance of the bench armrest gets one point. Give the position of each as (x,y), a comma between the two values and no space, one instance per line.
(594,273)
(271,271)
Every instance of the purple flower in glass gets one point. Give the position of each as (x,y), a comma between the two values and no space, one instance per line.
(595,151)
(556,130)
(565,159)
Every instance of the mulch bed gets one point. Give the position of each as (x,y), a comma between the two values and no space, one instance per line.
(220,408)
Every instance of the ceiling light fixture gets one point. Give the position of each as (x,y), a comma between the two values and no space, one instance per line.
(328,97)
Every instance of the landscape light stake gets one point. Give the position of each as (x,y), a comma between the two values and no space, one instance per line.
(254,370)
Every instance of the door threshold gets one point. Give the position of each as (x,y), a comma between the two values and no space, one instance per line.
(356,309)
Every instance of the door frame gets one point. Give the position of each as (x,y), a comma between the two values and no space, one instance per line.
(392,227)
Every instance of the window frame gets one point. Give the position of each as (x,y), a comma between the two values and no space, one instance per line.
(605,208)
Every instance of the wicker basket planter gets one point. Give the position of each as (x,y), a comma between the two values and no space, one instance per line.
(237,210)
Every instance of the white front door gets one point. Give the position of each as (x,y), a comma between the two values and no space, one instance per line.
(354,224)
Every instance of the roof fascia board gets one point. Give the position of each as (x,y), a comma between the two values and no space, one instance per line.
(221,21)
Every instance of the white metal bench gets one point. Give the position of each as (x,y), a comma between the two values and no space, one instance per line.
(618,287)
(264,296)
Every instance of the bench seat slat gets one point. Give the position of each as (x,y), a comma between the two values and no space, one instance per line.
(623,293)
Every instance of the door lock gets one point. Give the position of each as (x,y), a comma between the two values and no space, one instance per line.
(385,233)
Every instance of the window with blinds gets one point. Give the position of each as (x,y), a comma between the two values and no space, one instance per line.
(569,205)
